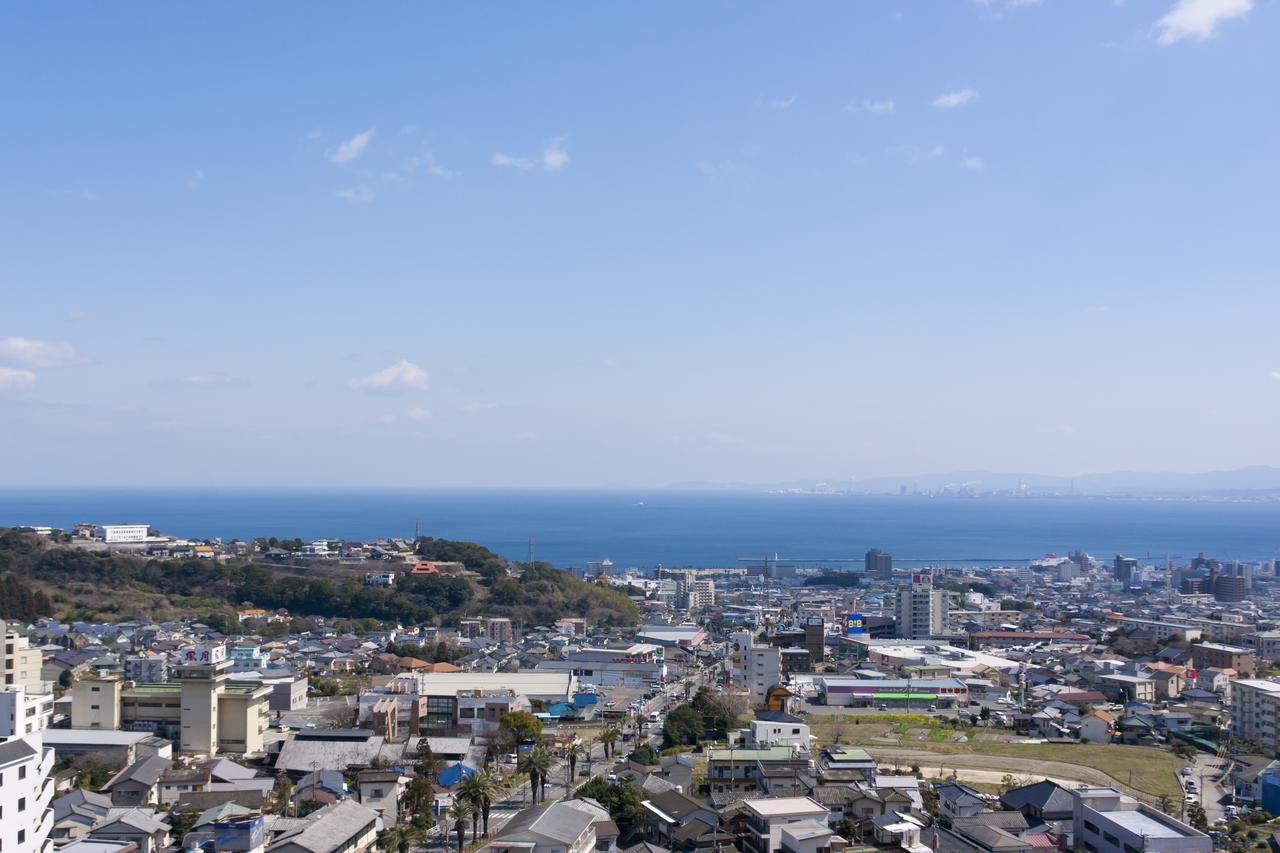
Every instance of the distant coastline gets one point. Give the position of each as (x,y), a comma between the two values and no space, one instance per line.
(644,528)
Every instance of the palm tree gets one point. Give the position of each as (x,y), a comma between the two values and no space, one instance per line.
(538,764)
(573,753)
(462,811)
(391,839)
(609,737)
(482,789)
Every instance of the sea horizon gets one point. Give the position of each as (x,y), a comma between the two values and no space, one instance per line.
(643,528)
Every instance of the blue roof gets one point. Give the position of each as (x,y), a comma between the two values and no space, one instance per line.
(455,773)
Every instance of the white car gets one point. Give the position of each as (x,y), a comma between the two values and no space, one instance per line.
(1186,771)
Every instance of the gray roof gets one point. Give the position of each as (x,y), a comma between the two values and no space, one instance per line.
(555,821)
(81,802)
(146,771)
(329,828)
(1047,796)
(15,750)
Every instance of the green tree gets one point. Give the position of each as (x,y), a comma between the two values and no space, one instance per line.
(683,726)
(609,737)
(572,754)
(537,764)
(462,810)
(622,799)
(522,725)
(482,788)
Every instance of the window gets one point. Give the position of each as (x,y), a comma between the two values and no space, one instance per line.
(1110,839)
(22,804)
(1090,827)
(22,772)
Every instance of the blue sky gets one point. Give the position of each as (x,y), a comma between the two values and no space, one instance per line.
(596,244)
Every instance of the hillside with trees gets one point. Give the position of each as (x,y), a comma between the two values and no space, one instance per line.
(74,580)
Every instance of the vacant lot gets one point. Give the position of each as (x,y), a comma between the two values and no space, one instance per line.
(920,740)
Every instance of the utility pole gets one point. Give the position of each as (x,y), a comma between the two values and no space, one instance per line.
(530,561)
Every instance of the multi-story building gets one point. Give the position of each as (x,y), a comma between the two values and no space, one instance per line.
(638,664)
(878,565)
(1125,570)
(920,609)
(22,663)
(768,820)
(1255,710)
(499,630)
(26,786)
(1243,661)
(146,668)
(764,670)
(740,644)
(200,709)
(694,593)
(1106,821)
(1266,644)
(110,533)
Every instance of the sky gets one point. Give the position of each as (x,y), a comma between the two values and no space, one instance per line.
(596,244)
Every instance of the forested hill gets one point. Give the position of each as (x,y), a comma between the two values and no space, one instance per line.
(120,585)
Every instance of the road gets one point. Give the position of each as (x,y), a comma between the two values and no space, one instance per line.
(1212,797)
(519,797)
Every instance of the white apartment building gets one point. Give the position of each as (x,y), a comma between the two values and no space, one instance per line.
(1106,821)
(26,786)
(764,670)
(768,819)
(1255,706)
(740,645)
(121,532)
(920,610)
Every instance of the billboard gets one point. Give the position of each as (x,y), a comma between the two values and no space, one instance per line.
(204,654)
(853,624)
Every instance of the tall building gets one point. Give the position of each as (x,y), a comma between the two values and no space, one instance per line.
(22,663)
(200,710)
(499,630)
(879,565)
(695,593)
(764,670)
(1125,570)
(740,645)
(1229,588)
(26,788)
(1255,706)
(921,610)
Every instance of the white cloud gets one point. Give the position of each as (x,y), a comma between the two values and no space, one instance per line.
(1275,374)
(419,413)
(506,160)
(554,156)
(387,420)
(427,163)
(884,106)
(971,162)
(13,379)
(205,381)
(918,152)
(1198,19)
(353,147)
(356,195)
(35,353)
(196,179)
(951,100)
(782,103)
(402,376)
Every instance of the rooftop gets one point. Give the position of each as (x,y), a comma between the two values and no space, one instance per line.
(785,806)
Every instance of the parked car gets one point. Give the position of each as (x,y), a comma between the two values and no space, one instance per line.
(1186,771)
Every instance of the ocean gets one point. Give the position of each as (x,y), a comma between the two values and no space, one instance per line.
(686,528)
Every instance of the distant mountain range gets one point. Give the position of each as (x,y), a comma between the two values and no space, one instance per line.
(1252,479)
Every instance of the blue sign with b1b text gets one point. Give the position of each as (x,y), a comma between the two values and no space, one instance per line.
(853,624)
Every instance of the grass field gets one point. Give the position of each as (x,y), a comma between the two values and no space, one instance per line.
(1143,769)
